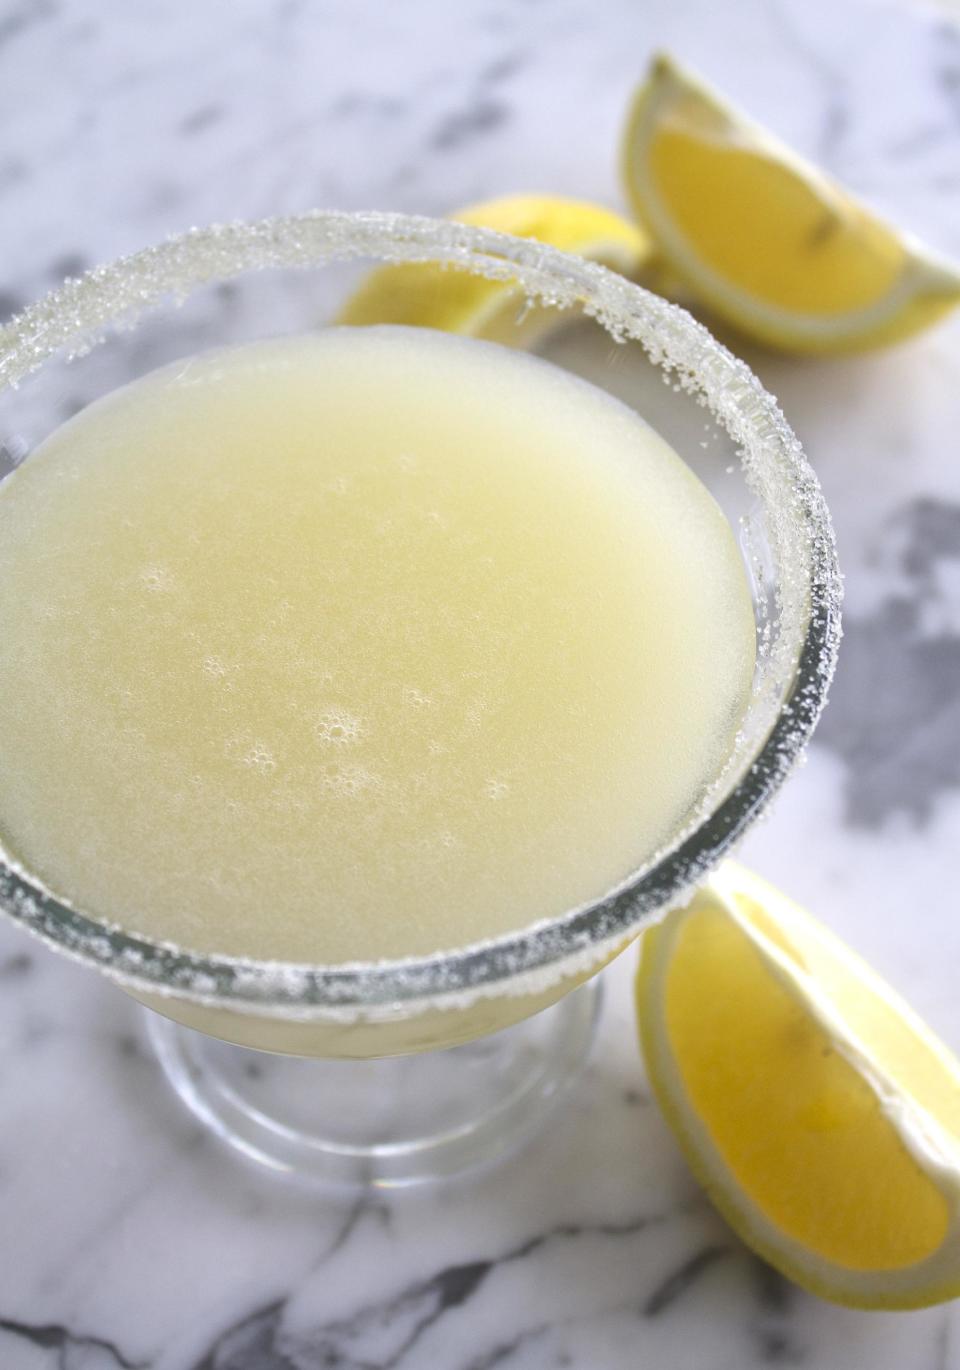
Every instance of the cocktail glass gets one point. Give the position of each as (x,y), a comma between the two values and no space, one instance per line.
(395,1072)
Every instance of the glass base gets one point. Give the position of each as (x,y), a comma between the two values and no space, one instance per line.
(384,1123)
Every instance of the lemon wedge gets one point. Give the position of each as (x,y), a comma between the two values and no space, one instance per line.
(767,240)
(819,1112)
(430,296)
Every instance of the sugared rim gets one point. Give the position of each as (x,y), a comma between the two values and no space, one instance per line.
(75,317)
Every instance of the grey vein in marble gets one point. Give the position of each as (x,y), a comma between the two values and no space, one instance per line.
(678,1281)
(894,714)
(69,1345)
(382,1335)
(828,73)
(458,128)
(14,967)
(947,67)
(20,18)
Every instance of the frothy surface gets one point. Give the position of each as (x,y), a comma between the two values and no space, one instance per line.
(357,645)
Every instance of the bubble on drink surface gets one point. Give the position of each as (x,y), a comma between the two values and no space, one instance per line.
(260,758)
(436,846)
(213,666)
(338,727)
(496,788)
(251,752)
(417,699)
(476,709)
(157,579)
(349,782)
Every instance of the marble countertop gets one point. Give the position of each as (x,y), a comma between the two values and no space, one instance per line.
(128,1240)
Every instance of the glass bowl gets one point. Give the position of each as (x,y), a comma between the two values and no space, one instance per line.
(239,282)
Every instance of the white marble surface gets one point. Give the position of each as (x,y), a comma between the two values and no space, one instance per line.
(127,1239)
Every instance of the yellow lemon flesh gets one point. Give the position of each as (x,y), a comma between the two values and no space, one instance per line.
(819,1112)
(428,295)
(768,241)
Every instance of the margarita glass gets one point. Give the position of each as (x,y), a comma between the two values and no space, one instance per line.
(394,1071)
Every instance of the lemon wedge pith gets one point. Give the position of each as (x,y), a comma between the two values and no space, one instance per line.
(767,240)
(818,1111)
(430,296)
